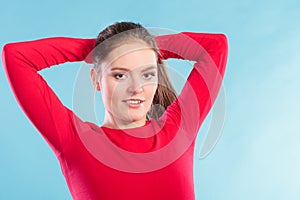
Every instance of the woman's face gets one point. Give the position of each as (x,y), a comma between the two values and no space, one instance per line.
(128,82)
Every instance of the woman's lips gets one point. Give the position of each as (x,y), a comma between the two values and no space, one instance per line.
(134,103)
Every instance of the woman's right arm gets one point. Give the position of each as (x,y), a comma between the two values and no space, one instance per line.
(22,61)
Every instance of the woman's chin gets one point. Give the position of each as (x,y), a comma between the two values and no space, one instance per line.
(134,119)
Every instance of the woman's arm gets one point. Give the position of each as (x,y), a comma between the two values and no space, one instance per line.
(210,52)
(22,61)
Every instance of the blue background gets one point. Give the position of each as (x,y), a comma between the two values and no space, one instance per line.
(257,156)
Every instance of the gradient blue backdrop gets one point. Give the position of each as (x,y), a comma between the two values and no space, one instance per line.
(257,156)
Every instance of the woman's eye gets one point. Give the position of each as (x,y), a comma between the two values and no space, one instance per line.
(120,76)
(148,75)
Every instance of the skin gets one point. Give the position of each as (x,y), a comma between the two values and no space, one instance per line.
(129,72)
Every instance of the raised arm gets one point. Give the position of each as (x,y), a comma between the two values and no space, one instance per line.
(200,91)
(22,61)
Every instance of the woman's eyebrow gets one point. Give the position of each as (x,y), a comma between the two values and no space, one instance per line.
(125,69)
(150,67)
(119,68)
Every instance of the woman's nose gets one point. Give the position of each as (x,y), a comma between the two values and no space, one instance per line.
(135,86)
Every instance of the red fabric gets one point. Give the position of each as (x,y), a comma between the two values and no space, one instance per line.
(165,174)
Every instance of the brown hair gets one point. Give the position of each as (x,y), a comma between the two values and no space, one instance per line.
(128,31)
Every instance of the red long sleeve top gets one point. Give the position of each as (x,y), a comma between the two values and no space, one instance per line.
(154,161)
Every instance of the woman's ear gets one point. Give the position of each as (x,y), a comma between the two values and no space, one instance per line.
(94,79)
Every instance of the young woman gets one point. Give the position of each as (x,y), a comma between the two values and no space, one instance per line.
(145,147)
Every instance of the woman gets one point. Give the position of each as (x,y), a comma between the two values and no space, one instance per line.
(145,147)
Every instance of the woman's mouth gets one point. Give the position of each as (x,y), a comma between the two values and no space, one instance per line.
(134,102)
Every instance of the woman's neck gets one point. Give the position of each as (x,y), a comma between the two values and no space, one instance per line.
(115,123)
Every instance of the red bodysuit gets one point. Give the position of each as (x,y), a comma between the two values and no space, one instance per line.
(152,162)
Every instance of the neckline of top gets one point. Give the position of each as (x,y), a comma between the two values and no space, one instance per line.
(127,129)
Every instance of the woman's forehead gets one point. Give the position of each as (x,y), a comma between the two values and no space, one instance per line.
(132,56)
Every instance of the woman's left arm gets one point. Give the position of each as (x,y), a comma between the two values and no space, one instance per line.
(210,51)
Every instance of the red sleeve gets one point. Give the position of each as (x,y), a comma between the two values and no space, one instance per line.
(22,61)
(210,52)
